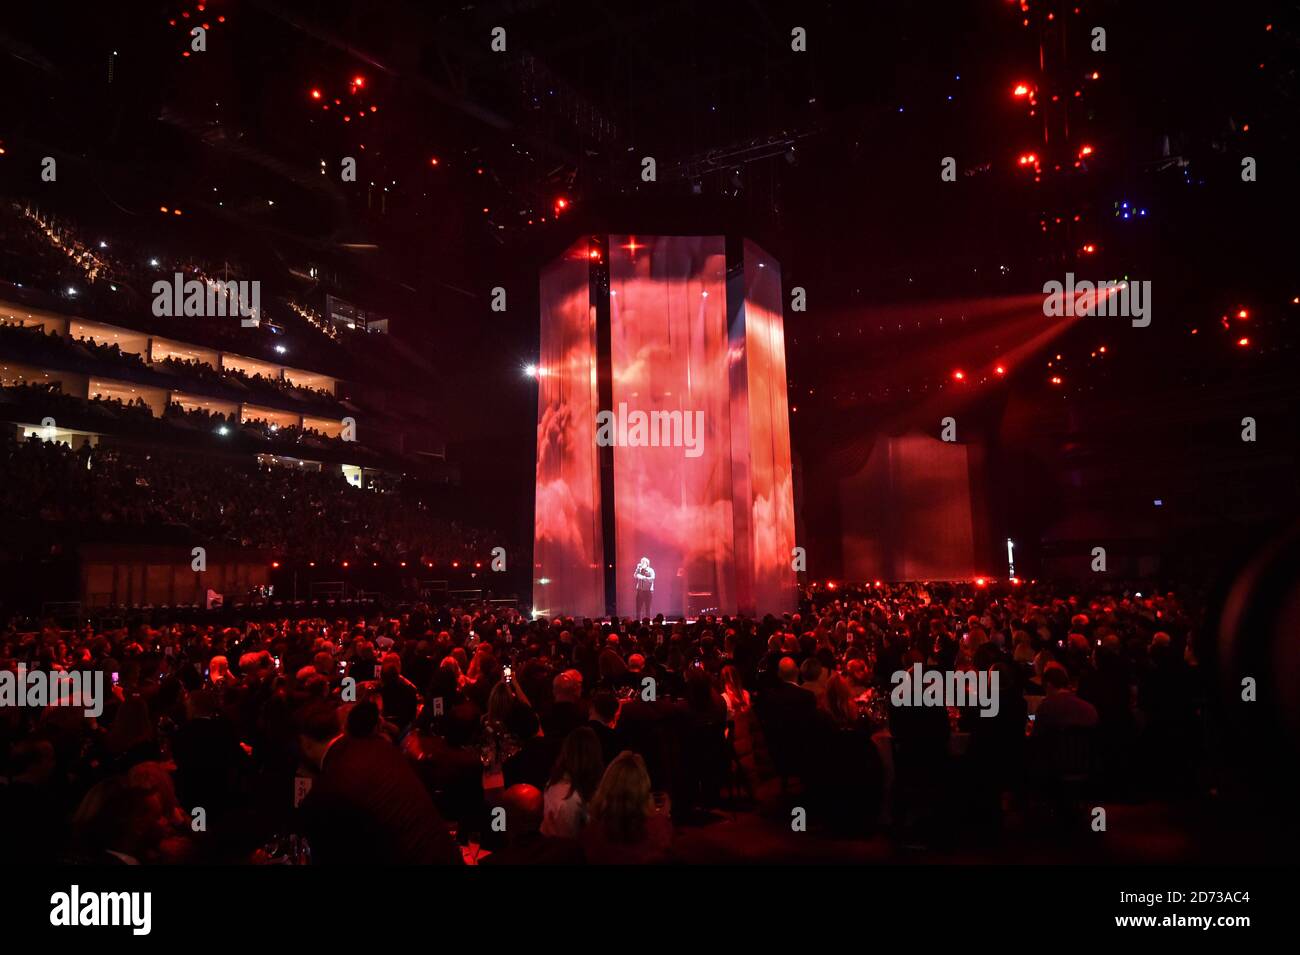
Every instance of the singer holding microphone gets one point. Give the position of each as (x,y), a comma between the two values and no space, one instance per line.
(645,587)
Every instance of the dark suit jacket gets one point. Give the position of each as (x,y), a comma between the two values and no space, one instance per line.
(369,807)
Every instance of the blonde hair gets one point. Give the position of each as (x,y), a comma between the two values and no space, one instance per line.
(622,801)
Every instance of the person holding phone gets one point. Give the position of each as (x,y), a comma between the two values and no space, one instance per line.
(645,587)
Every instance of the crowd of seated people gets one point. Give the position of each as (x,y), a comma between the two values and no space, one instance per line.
(393,738)
(33,343)
(297,513)
(53,253)
(39,400)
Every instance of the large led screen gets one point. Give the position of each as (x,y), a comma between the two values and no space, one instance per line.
(567,545)
(672,481)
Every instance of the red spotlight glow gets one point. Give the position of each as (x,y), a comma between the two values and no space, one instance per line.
(999,370)
(1243,342)
(275,564)
(1027,159)
(433,161)
(1243,315)
(1085,151)
(1020,90)
(959,375)
(358,81)
(315,94)
(1056,379)
(1089,249)
(980,581)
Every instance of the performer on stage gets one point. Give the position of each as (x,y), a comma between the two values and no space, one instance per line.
(645,587)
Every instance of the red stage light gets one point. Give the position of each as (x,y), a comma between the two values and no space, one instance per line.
(433,161)
(455,563)
(358,81)
(1243,315)
(594,253)
(999,370)
(1020,90)
(1028,159)
(959,375)
(345,564)
(1056,379)
(1243,342)
(561,203)
(275,564)
(315,94)
(980,581)
(1085,151)
(1089,249)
